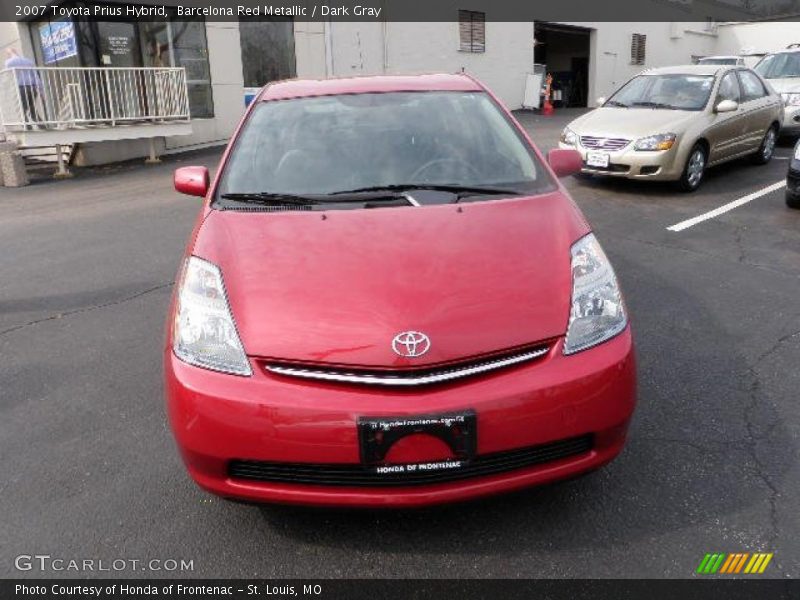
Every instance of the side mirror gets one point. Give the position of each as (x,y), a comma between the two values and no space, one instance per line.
(601,100)
(726,106)
(565,162)
(193,181)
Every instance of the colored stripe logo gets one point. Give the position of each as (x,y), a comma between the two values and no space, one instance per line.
(741,562)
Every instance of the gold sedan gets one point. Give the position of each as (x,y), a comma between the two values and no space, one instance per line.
(672,123)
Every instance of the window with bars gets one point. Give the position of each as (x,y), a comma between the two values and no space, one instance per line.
(638,44)
(472,31)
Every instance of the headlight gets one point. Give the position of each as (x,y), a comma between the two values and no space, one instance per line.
(792,99)
(205,334)
(569,137)
(662,141)
(797,152)
(597,313)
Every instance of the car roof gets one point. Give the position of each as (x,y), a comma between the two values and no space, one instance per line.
(690,70)
(304,88)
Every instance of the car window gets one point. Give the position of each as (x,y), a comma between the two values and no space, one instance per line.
(672,92)
(779,66)
(729,88)
(752,88)
(328,144)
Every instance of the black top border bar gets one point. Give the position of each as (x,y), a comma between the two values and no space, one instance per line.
(586,11)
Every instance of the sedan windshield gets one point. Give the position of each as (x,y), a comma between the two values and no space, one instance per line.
(779,66)
(455,143)
(673,92)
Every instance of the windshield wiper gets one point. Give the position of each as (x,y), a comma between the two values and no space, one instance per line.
(654,105)
(286,199)
(616,103)
(461,191)
(271,198)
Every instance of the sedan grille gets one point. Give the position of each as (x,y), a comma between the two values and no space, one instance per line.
(603,143)
(409,377)
(337,474)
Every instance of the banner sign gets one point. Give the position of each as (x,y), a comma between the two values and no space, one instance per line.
(58,41)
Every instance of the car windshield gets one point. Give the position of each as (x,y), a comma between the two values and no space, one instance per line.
(355,142)
(673,92)
(779,66)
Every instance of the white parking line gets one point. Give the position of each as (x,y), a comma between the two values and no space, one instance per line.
(727,207)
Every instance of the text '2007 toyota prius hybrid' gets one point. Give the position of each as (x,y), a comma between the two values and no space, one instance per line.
(389,299)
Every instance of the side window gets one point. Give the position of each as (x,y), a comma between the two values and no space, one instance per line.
(729,88)
(752,88)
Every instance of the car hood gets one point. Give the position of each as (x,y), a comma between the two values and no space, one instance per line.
(632,123)
(336,287)
(784,86)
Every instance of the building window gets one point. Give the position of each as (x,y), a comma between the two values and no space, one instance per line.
(181,44)
(472,31)
(267,50)
(638,43)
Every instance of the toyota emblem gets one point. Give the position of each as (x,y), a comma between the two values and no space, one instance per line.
(411,344)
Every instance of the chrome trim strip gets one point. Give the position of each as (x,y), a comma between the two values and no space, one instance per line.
(456,373)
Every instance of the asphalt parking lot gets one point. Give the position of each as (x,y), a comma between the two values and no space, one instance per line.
(89,469)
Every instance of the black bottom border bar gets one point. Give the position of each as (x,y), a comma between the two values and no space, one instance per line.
(376,589)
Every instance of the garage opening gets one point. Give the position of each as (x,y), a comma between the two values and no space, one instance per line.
(564,50)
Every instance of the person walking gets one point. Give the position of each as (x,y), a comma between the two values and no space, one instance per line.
(28,82)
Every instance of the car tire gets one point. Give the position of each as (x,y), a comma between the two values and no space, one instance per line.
(793,200)
(695,169)
(767,148)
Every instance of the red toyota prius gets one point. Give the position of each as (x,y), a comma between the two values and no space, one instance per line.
(389,299)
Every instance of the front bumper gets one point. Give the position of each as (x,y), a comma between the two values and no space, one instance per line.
(218,418)
(661,165)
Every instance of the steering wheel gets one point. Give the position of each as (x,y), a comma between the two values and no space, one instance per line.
(459,163)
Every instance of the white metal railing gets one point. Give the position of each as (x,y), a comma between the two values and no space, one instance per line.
(64,98)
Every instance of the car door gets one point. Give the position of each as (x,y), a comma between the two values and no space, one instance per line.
(727,131)
(757,107)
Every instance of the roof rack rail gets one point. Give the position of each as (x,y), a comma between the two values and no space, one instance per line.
(790,46)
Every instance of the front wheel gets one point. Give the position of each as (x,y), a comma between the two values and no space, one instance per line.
(694,170)
(767,148)
(792,200)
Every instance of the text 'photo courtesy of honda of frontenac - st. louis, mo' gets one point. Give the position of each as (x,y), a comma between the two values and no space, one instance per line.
(389,299)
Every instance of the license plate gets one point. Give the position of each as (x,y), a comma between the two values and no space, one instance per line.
(377,435)
(597,159)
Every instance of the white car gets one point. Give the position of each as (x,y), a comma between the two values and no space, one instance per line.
(782,72)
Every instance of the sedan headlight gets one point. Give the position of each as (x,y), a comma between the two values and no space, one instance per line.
(597,313)
(792,99)
(205,334)
(569,137)
(662,141)
(797,152)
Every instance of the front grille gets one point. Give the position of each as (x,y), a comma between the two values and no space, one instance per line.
(409,377)
(601,143)
(337,474)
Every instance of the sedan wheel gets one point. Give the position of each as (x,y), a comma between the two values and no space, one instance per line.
(694,170)
(767,148)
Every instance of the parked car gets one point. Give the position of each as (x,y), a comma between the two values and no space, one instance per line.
(793,179)
(672,123)
(389,299)
(782,72)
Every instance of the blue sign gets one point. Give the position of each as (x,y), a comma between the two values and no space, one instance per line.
(58,41)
